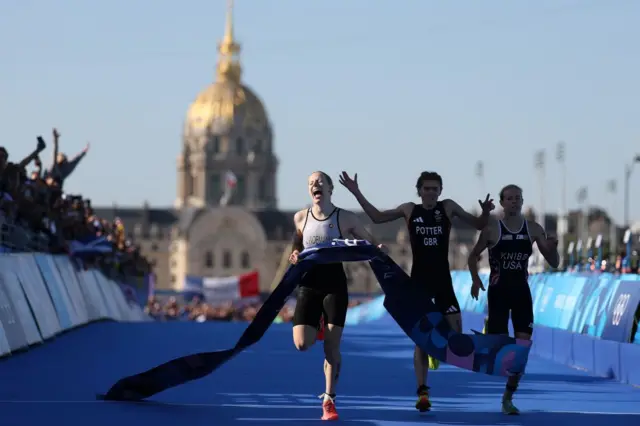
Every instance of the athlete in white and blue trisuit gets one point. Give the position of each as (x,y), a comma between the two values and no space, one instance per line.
(323,290)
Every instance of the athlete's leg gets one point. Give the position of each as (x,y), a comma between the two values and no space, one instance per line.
(498,300)
(335,308)
(522,320)
(306,317)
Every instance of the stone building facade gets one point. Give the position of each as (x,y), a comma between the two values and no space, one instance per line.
(227,128)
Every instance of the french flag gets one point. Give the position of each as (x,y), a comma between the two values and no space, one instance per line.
(227,289)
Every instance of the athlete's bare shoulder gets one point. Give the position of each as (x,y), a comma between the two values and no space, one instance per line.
(407,209)
(300,217)
(492,230)
(536,231)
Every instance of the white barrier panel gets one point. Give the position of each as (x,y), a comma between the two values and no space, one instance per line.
(107,296)
(67,314)
(41,295)
(10,321)
(24,265)
(4,343)
(21,306)
(66,274)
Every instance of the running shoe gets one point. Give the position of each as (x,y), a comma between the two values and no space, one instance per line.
(434,363)
(423,404)
(486,322)
(320,335)
(508,408)
(329,408)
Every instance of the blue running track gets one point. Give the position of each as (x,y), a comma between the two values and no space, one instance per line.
(273,384)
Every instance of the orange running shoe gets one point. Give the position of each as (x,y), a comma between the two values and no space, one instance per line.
(329,408)
(320,335)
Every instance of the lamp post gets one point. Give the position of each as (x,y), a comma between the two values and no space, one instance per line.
(539,162)
(562,214)
(627,178)
(480,176)
(612,188)
(582,196)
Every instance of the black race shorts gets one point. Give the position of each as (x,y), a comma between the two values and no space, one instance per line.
(323,291)
(510,299)
(440,289)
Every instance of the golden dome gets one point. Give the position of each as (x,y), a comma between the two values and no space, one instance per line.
(226,102)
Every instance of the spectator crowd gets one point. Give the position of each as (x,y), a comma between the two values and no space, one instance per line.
(37,215)
(196,309)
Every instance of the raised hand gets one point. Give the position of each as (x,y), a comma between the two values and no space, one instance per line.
(347,182)
(487,205)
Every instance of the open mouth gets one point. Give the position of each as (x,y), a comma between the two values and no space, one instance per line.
(316,193)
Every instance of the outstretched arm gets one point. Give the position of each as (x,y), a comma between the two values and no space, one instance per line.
(548,246)
(376,216)
(351,224)
(474,255)
(454,209)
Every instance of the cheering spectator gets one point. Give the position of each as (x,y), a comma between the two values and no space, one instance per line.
(61,167)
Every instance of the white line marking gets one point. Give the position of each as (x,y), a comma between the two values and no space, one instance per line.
(306,407)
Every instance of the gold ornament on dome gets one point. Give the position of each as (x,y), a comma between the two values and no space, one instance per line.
(226,100)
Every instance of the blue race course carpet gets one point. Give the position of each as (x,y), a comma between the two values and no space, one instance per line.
(271,383)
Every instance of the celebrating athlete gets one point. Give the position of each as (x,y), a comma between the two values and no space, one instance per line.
(510,243)
(429,225)
(323,290)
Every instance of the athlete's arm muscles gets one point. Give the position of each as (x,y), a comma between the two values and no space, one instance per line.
(354,226)
(454,209)
(377,216)
(549,251)
(298,221)
(484,240)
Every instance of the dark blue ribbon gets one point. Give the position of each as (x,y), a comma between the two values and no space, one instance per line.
(407,302)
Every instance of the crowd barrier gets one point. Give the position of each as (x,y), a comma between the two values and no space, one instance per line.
(582,320)
(42,296)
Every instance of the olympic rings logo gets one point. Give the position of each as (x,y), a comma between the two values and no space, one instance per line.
(620,309)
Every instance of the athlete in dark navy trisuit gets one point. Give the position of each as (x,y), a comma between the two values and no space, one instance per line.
(510,244)
(429,225)
(323,290)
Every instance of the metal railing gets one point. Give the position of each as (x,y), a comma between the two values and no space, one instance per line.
(17,238)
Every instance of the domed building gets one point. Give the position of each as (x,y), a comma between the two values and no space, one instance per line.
(225,219)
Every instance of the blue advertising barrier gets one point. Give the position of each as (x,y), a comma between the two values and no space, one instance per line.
(42,296)
(581,319)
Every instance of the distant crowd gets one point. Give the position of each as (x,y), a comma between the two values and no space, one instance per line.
(198,310)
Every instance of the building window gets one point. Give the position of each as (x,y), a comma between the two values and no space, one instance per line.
(215,186)
(257,146)
(216,145)
(241,189)
(173,279)
(154,247)
(262,189)
(208,259)
(240,146)
(245,260)
(226,259)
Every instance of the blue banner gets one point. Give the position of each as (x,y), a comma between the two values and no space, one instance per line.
(601,305)
(621,310)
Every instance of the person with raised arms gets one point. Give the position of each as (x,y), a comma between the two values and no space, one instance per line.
(510,244)
(323,290)
(429,226)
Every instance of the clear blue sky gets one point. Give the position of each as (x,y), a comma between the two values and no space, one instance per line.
(382,88)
